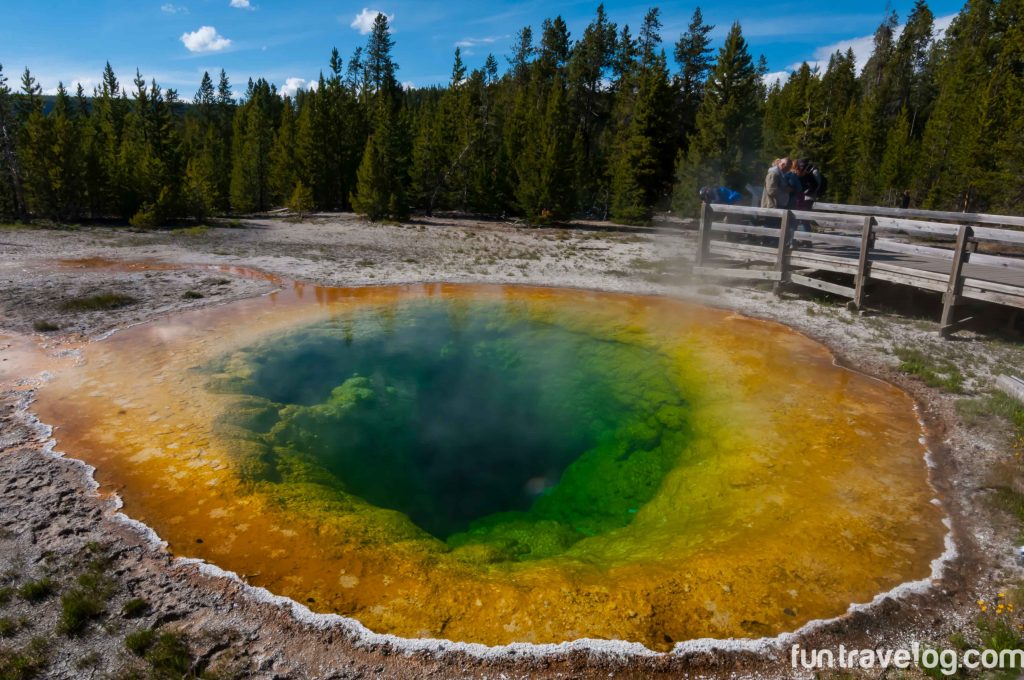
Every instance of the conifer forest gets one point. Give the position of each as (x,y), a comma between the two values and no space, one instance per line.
(618,123)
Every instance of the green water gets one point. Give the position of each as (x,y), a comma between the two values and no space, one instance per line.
(482,423)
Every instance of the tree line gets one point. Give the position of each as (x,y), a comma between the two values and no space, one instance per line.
(605,126)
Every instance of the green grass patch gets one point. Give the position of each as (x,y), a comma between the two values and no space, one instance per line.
(976,411)
(166,653)
(169,656)
(941,374)
(135,608)
(43,326)
(87,600)
(6,593)
(25,663)
(1011,500)
(98,303)
(8,627)
(78,607)
(140,641)
(199,230)
(37,591)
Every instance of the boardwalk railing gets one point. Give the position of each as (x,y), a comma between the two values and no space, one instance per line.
(869,244)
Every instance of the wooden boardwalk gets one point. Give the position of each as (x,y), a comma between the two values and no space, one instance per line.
(962,256)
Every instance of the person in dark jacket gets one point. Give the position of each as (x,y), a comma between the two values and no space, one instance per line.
(809,185)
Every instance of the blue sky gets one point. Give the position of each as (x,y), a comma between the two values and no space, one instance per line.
(289,42)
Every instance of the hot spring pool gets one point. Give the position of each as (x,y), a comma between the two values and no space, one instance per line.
(499,464)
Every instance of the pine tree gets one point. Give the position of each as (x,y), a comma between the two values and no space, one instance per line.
(12,199)
(644,152)
(66,162)
(724,148)
(380,184)
(897,160)
(383,173)
(693,55)
(545,190)
(430,160)
(1007,79)
(957,140)
(35,145)
(284,166)
(838,98)
(877,87)
(590,107)
(301,200)
(253,135)
(201,188)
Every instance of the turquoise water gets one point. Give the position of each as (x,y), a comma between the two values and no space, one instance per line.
(479,422)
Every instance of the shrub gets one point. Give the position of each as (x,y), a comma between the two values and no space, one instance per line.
(135,608)
(140,641)
(99,302)
(37,591)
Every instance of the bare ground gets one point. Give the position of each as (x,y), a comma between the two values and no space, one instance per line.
(53,525)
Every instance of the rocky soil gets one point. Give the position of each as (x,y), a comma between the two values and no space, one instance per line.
(80,586)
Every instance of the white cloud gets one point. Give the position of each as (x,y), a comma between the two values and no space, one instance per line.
(242,4)
(473,42)
(408,85)
(87,85)
(293,85)
(363,21)
(170,8)
(862,47)
(205,39)
(776,76)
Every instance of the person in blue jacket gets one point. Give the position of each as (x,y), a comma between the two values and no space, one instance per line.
(720,195)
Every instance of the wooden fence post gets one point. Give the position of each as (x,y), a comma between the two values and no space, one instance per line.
(783,251)
(956,281)
(867,241)
(707,216)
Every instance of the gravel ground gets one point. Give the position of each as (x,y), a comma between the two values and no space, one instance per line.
(54,526)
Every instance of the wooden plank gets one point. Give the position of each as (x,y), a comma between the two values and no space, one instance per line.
(766,252)
(860,279)
(707,216)
(937,277)
(936,215)
(956,281)
(917,227)
(783,250)
(822,285)
(847,267)
(911,249)
(1012,386)
(955,326)
(748,211)
(743,229)
(819,237)
(995,297)
(1001,261)
(948,231)
(994,286)
(990,235)
(760,274)
(906,279)
(815,256)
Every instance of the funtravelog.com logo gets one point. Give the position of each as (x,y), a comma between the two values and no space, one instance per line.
(946,661)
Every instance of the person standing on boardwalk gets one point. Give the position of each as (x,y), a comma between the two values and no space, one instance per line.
(776,189)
